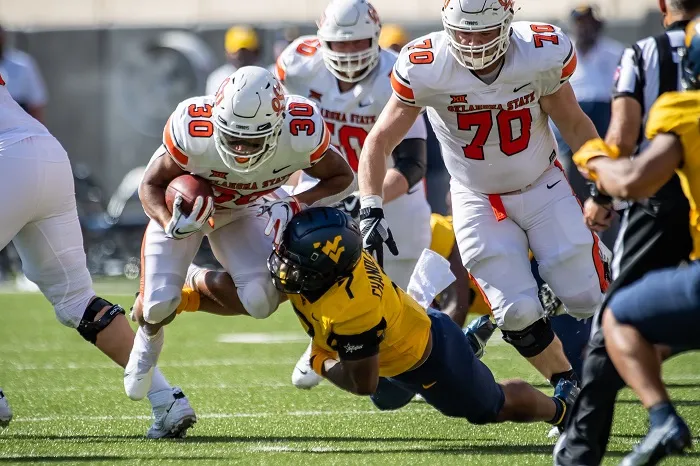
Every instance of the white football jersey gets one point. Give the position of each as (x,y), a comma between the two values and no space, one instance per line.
(15,123)
(189,139)
(495,138)
(350,116)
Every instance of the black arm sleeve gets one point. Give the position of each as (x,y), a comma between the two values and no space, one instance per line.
(360,346)
(411,160)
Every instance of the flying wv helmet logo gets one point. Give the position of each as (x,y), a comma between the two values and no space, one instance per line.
(332,250)
(278,100)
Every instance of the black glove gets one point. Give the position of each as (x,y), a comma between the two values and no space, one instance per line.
(375,232)
(350,205)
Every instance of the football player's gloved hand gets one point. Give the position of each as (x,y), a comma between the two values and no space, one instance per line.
(350,205)
(281,212)
(181,225)
(590,150)
(375,232)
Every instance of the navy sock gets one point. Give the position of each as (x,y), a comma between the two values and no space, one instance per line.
(660,412)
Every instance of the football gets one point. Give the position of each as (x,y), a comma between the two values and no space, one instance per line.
(190,187)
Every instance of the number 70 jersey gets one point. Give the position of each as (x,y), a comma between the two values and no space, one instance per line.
(495,138)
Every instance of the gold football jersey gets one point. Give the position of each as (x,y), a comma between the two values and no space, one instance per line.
(679,113)
(365,309)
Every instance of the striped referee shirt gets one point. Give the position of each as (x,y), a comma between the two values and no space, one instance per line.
(649,68)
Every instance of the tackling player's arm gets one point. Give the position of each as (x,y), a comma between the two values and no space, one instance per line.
(336,180)
(159,173)
(359,376)
(642,176)
(391,127)
(574,125)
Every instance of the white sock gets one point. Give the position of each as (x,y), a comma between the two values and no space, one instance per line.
(192,272)
(145,344)
(161,392)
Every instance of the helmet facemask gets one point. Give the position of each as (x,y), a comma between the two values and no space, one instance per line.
(478,57)
(290,277)
(244,152)
(350,67)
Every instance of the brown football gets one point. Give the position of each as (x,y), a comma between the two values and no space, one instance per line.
(189,186)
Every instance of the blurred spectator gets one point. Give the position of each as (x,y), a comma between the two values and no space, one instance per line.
(242,49)
(392,37)
(24,82)
(282,40)
(598,57)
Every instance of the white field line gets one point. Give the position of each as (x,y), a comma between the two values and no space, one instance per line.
(179,364)
(351,412)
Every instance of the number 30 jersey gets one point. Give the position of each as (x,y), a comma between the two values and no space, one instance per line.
(495,138)
(189,139)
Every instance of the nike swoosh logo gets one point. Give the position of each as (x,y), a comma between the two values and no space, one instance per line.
(364,104)
(550,186)
(427,386)
(521,87)
(303,372)
(276,171)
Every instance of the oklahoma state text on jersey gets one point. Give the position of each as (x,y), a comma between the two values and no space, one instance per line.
(495,138)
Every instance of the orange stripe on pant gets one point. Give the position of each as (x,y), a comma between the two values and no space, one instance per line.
(597,260)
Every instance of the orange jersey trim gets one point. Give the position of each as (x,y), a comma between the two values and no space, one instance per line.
(171,146)
(279,66)
(323,147)
(569,67)
(401,89)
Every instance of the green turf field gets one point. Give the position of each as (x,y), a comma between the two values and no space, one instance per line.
(70,405)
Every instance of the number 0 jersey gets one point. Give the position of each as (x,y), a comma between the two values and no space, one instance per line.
(189,139)
(679,113)
(350,116)
(365,308)
(495,138)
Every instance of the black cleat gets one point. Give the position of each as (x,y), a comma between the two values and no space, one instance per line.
(670,438)
(566,391)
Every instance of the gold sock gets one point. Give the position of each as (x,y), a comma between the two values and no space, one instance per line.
(189,301)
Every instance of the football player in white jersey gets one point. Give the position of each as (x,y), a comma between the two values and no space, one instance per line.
(345,71)
(490,86)
(246,141)
(39,216)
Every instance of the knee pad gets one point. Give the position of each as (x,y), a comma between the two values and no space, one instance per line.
(89,327)
(259,297)
(161,304)
(531,340)
(520,311)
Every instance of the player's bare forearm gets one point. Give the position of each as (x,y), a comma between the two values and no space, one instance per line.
(643,176)
(372,166)
(395,185)
(341,375)
(574,125)
(625,124)
(152,188)
(391,127)
(335,176)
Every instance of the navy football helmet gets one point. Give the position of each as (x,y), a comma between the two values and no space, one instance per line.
(690,62)
(320,246)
